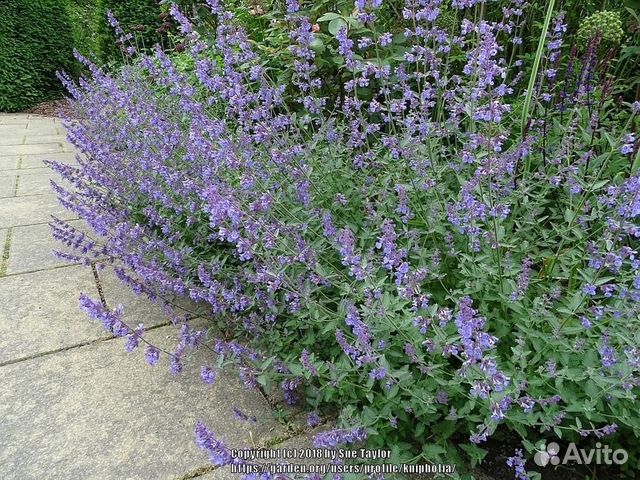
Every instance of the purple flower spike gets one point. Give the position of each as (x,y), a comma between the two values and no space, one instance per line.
(240,415)
(219,454)
(207,374)
(152,355)
(517,463)
(336,438)
(313,419)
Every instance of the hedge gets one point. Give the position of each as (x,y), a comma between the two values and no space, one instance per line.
(140,17)
(35,41)
(83,21)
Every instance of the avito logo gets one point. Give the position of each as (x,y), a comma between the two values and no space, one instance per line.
(601,455)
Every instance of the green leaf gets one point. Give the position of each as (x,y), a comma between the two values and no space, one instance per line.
(432,451)
(476,454)
(591,389)
(635,50)
(536,64)
(335,25)
(327,17)
(317,45)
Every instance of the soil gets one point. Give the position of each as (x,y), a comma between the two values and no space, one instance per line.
(53,108)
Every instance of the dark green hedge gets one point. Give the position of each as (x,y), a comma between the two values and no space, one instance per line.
(35,41)
(130,14)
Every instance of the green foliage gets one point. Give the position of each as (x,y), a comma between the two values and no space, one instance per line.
(138,17)
(536,64)
(82,14)
(267,28)
(35,41)
(607,24)
(627,65)
(541,276)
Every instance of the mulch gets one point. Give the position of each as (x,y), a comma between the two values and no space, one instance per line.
(53,108)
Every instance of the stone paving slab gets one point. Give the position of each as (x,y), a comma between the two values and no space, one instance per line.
(100,413)
(14,139)
(11,134)
(36,121)
(9,162)
(40,313)
(33,181)
(32,249)
(36,160)
(27,171)
(15,126)
(137,309)
(3,253)
(31,149)
(43,129)
(31,210)
(14,120)
(36,137)
(38,183)
(21,136)
(7,186)
(46,120)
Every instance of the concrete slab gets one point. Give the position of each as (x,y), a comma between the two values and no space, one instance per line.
(40,313)
(3,259)
(13,139)
(9,162)
(12,134)
(31,210)
(10,119)
(31,149)
(42,119)
(38,183)
(31,139)
(29,171)
(44,129)
(7,185)
(39,126)
(110,417)
(32,249)
(36,160)
(8,127)
(137,309)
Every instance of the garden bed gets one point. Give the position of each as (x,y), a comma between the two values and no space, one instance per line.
(430,247)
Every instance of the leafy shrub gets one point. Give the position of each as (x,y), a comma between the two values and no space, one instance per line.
(35,42)
(607,24)
(140,17)
(626,65)
(82,14)
(429,257)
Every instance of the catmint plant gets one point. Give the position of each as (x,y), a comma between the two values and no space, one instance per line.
(405,255)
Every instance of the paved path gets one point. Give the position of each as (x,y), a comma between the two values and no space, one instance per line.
(73,403)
